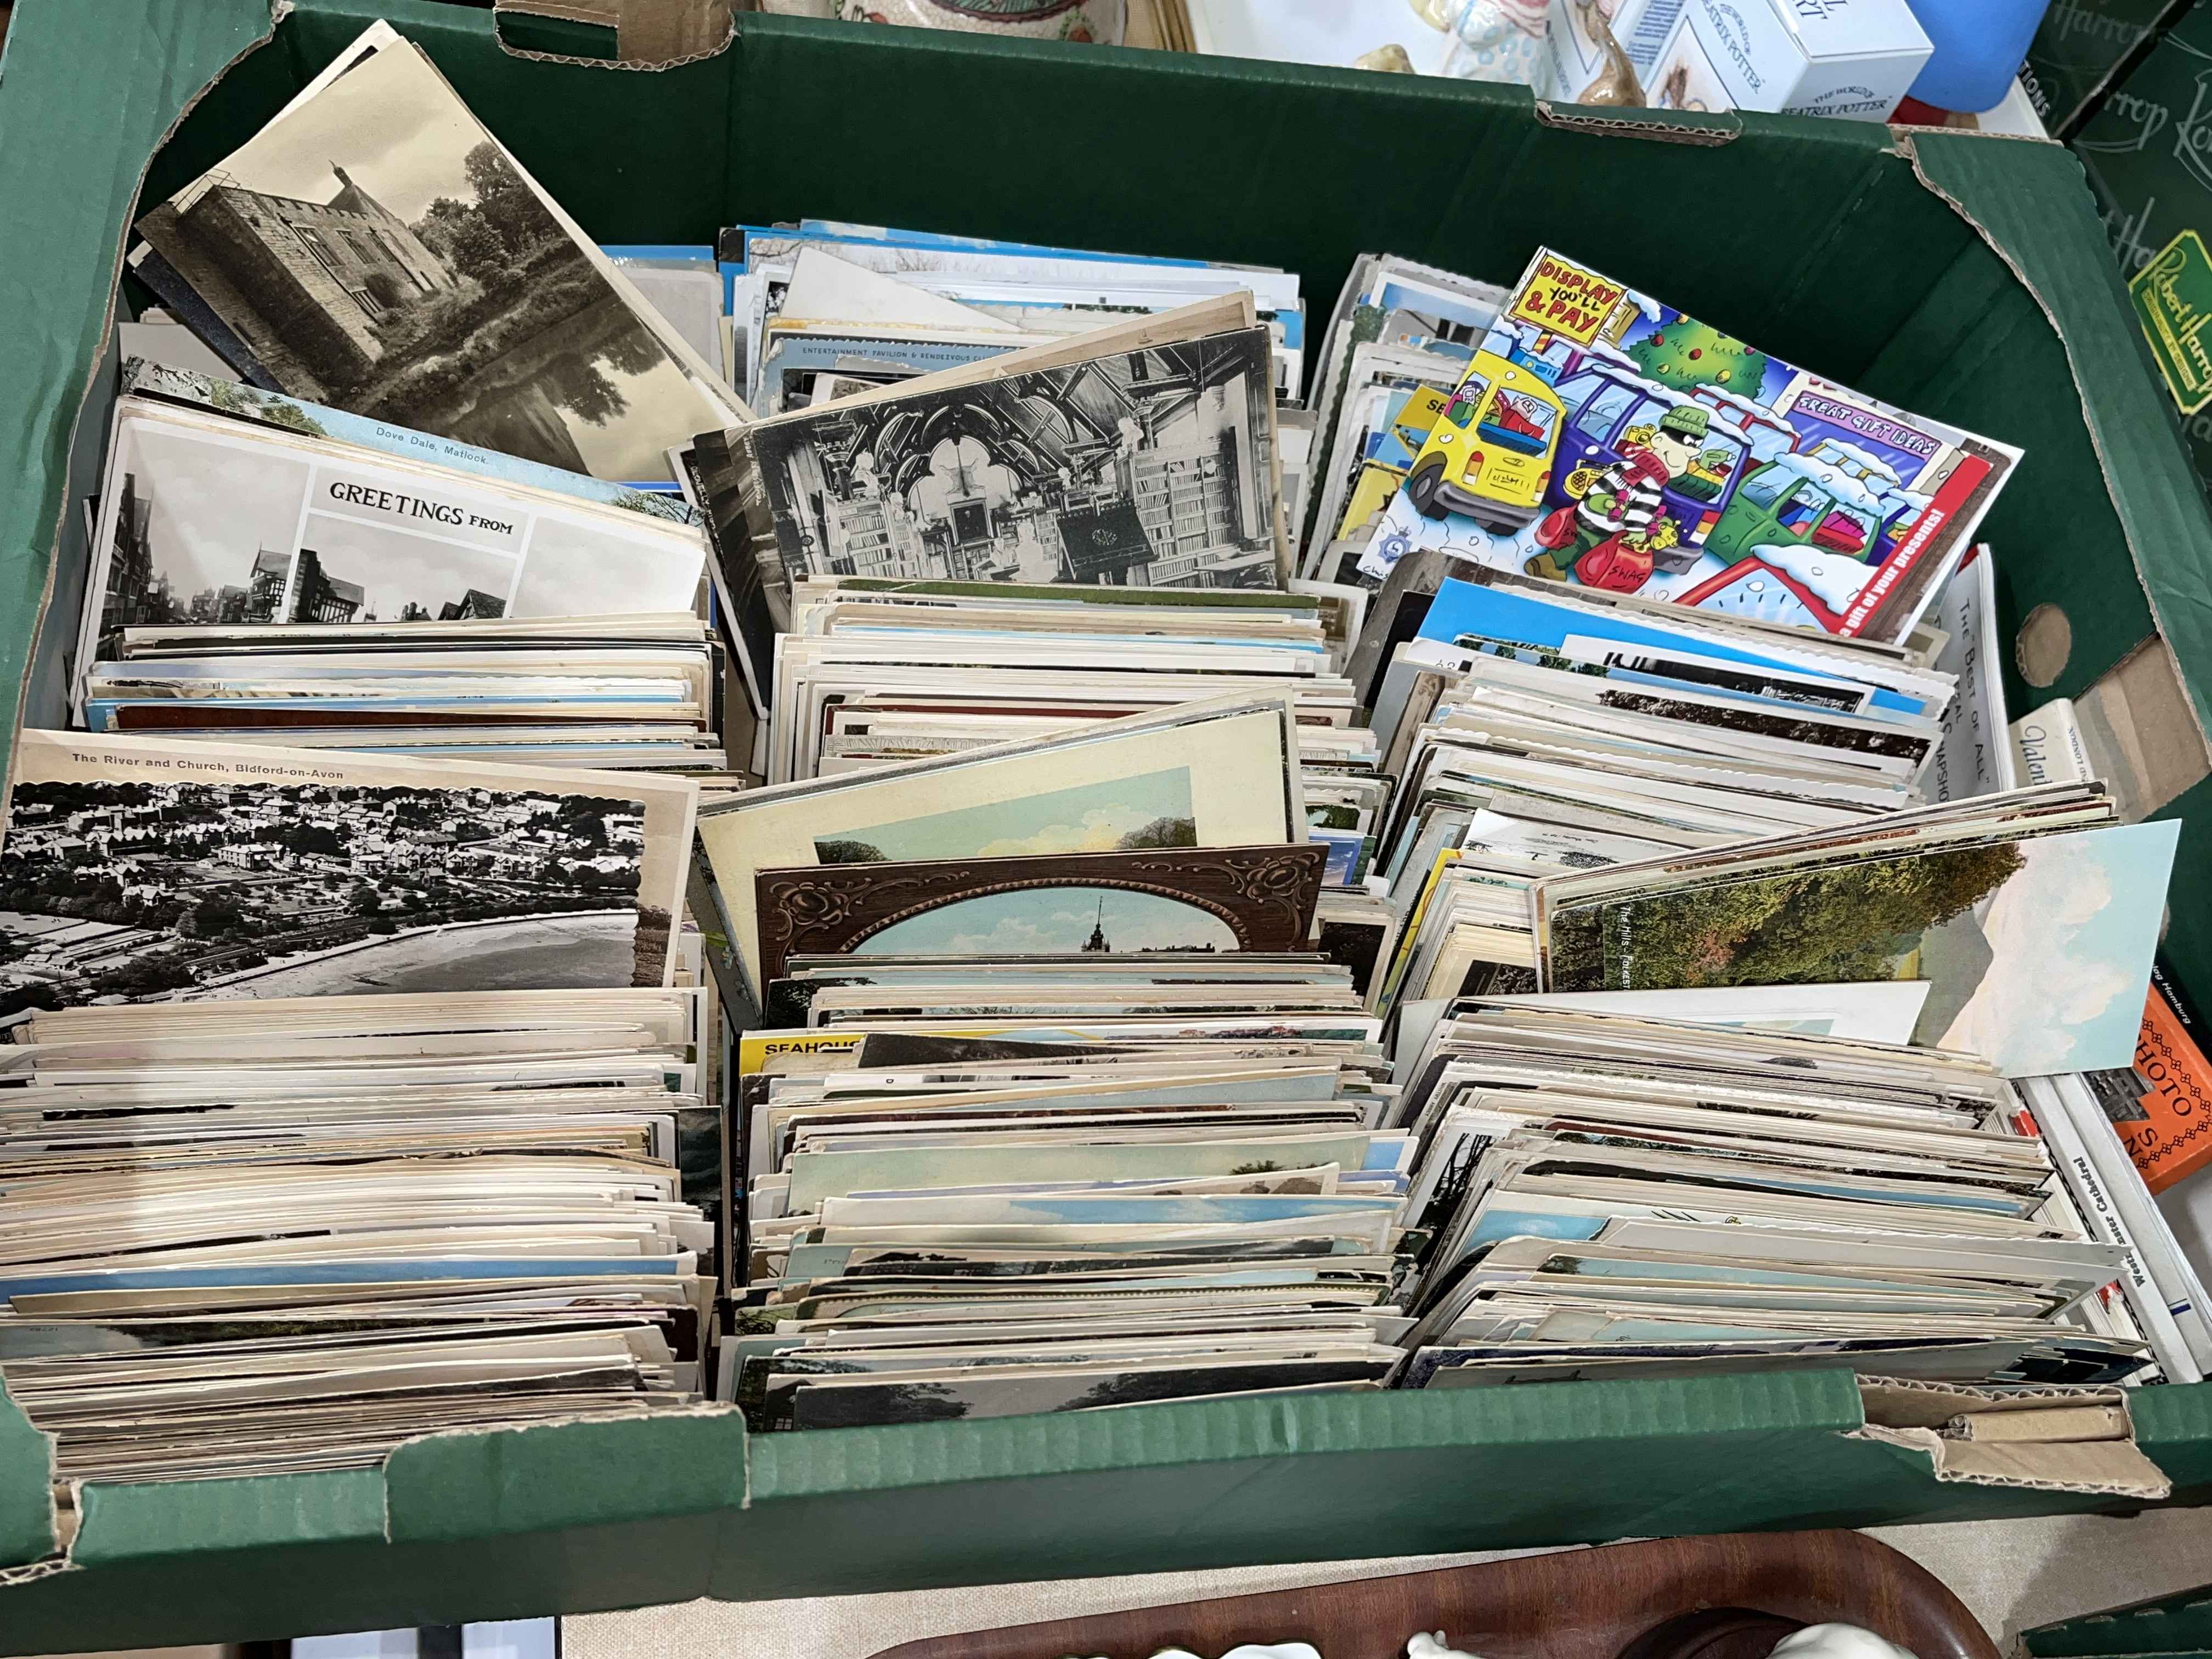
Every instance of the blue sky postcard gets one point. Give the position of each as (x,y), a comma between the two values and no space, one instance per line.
(2037,952)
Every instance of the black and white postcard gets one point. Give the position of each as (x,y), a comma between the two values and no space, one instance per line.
(374,247)
(142,870)
(1153,467)
(206,520)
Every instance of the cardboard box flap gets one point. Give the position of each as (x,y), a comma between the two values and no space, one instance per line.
(1234,1481)
(1991,342)
(2110,1467)
(248,1561)
(2173,1425)
(441,1487)
(566,1474)
(1227,1429)
(119,1523)
(438,1488)
(1970,357)
(2150,482)
(2024,1439)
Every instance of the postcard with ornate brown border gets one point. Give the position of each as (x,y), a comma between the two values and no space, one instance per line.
(1175,898)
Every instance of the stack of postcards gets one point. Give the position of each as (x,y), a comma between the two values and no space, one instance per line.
(1023,1135)
(1134,1178)
(353,1220)
(1594,800)
(1398,341)
(399,1060)
(1605,1193)
(821,309)
(258,580)
(876,671)
(1141,455)
(952,827)
(1132,1166)
(438,517)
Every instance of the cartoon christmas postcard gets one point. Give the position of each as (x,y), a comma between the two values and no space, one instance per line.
(1598,436)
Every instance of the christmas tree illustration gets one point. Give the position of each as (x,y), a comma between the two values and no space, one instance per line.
(1684,355)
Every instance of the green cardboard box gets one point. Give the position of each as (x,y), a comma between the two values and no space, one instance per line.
(2178,1626)
(1962,275)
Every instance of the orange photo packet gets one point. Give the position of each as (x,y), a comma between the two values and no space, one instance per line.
(2163,1107)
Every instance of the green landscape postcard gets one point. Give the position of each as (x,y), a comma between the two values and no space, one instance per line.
(2037,952)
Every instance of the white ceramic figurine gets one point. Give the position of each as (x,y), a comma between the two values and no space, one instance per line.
(1836,1642)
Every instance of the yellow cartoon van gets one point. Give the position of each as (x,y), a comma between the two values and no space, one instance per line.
(1489,455)
(1382,476)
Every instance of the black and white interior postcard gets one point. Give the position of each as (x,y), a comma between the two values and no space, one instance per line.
(147,869)
(1153,467)
(210,521)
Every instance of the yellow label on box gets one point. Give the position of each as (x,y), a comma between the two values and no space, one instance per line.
(2172,297)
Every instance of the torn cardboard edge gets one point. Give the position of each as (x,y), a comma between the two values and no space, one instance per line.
(2070,1438)
(1905,129)
(1153,25)
(1904,143)
(1608,122)
(648,35)
(2048,1424)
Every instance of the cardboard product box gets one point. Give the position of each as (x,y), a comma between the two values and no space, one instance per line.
(2148,151)
(2081,49)
(1963,277)
(1851,59)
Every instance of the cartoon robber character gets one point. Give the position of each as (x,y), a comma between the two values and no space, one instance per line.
(1622,507)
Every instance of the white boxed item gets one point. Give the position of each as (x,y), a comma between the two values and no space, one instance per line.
(1849,59)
